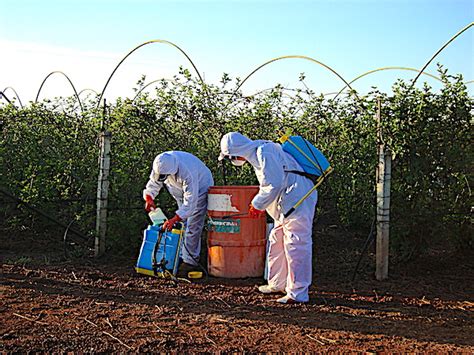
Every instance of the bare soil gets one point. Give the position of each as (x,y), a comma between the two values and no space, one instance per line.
(50,304)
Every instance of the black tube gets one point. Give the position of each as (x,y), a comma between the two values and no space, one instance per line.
(290,211)
(368,242)
(48,217)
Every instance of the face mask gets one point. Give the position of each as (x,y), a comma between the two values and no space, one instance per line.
(237,162)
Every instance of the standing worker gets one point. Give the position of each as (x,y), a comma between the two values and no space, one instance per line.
(290,248)
(188,180)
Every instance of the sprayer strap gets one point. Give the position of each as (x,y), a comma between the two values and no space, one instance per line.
(312,177)
(154,264)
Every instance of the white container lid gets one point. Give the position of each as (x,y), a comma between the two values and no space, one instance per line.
(157,216)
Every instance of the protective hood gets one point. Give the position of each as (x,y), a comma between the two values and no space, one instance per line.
(165,164)
(188,180)
(234,143)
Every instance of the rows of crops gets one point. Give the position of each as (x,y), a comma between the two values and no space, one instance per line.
(49,152)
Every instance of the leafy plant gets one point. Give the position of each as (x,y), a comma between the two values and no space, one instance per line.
(49,152)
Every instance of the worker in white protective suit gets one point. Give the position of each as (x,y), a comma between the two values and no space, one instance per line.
(290,241)
(188,180)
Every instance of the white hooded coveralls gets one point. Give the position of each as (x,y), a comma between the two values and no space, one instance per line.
(290,248)
(188,182)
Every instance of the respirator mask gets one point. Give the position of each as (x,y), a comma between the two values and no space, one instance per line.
(237,162)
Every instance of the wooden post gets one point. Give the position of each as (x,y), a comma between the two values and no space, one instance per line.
(383,177)
(102,192)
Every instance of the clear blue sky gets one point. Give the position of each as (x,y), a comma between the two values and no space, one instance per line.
(86,39)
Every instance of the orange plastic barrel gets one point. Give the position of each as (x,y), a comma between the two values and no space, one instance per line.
(236,245)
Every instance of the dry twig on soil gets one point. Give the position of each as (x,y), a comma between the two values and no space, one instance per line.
(108,322)
(88,321)
(121,342)
(315,339)
(220,299)
(30,319)
(212,341)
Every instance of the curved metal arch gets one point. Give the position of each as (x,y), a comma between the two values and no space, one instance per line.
(16,94)
(269,89)
(439,51)
(70,82)
(258,93)
(295,57)
(148,84)
(84,90)
(137,47)
(330,93)
(385,68)
(235,103)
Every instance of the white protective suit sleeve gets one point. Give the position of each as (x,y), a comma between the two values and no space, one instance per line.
(153,186)
(272,180)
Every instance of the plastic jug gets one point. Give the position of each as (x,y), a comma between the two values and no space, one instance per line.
(157,216)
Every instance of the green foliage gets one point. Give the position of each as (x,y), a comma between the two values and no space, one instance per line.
(49,159)
(49,152)
(431,137)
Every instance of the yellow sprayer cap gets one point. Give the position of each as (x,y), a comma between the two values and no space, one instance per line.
(286,135)
(194,274)
(283,139)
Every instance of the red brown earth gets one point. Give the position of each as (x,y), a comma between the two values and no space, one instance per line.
(103,305)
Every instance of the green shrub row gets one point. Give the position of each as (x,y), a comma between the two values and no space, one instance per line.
(49,152)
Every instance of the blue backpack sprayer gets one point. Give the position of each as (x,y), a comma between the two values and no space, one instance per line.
(160,250)
(315,165)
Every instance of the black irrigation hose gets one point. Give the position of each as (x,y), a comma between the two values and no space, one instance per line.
(48,217)
(368,242)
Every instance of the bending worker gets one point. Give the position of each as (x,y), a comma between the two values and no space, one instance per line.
(187,179)
(290,248)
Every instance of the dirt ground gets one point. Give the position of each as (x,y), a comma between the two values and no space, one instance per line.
(82,304)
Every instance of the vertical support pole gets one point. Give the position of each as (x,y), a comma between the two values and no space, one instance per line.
(102,188)
(383,179)
(102,192)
